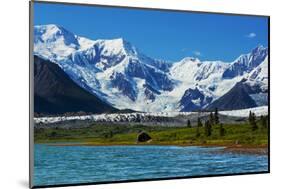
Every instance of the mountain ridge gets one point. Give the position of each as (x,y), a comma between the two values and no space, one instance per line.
(119,74)
(56,93)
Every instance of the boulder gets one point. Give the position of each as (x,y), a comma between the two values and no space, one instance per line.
(143,137)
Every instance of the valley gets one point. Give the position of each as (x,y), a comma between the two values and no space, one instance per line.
(106,91)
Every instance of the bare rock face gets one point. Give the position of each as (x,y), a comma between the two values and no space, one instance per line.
(143,137)
(56,93)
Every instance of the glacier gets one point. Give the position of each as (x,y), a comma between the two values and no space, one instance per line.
(121,75)
(131,117)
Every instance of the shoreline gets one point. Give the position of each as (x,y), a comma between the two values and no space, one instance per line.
(227,148)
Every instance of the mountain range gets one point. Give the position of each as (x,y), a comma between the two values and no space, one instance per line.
(56,93)
(118,74)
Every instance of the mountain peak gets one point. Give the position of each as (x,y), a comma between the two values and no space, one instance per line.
(127,46)
(119,43)
(190,59)
(117,46)
(52,33)
(121,40)
(259,48)
(246,62)
(50,29)
(49,26)
(116,71)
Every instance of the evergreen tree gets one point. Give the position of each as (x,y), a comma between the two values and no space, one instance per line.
(110,134)
(263,120)
(217,120)
(188,124)
(222,130)
(250,117)
(211,119)
(208,128)
(253,122)
(199,123)
(197,132)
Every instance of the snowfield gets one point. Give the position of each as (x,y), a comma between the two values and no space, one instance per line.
(262,110)
(117,72)
(109,117)
(131,117)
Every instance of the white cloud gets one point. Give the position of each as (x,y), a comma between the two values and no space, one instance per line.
(197,53)
(183,49)
(251,35)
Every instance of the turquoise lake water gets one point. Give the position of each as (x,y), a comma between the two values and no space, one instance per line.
(83,164)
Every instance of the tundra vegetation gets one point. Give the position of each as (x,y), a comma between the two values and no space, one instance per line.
(252,133)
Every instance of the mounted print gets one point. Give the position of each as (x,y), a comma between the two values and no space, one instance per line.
(121,94)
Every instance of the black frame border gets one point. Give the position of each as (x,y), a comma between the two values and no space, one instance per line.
(31,85)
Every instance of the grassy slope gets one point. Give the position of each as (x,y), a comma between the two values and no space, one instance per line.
(114,135)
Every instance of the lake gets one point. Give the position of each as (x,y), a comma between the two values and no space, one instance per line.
(83,164)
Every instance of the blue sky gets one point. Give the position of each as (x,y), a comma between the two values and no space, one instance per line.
(161,34)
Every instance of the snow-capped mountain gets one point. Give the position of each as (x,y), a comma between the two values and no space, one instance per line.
(259,76)
(251,91)
(258,82)
(119,74)
(112,69)
(56,93)
(56,43)
(193,99)
(246,62)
